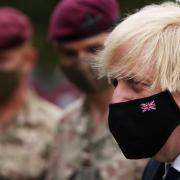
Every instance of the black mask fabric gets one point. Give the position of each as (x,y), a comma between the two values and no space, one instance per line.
(141,127)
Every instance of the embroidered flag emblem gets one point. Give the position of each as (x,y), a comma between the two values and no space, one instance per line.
(149,106)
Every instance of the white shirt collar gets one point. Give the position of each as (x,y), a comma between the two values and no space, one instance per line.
(176,163)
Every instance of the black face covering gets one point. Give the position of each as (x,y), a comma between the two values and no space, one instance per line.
(141,127)
(9,81)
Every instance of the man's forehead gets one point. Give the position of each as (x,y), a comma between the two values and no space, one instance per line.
(94,40)
(17,49)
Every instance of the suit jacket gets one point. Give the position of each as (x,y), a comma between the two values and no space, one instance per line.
(154,170)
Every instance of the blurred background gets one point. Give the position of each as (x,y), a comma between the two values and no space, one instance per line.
(46,79)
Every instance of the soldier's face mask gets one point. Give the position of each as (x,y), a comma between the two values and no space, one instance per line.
(9,81)
(81,74)
(141,127)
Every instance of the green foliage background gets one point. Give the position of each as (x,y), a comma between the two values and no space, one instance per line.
(39,11)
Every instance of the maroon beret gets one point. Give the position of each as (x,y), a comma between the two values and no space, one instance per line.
(15,28)
(78,19)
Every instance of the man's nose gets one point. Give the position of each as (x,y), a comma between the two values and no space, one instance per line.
(122,93)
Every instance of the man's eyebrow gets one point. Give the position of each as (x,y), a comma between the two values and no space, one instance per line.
(131,77)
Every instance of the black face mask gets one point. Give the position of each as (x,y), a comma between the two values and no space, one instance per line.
(9,81)
(141,127)
(81,75)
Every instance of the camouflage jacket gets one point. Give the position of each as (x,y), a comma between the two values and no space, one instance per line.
(26,143)
(84,152)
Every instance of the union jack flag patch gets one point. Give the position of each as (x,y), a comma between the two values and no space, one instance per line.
(149,106)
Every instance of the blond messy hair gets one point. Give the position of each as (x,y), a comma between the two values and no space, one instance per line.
(145,43)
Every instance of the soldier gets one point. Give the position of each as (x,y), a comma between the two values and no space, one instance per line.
(28,123)
(87,151)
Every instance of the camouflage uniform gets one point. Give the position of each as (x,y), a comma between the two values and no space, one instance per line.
(85,152)
(26,143)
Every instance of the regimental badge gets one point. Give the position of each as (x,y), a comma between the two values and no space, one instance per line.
(149,106)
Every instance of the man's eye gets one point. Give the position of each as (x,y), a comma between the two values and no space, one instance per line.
(114,82)
(137,85)
(68,53)
(94,49)
(132,81)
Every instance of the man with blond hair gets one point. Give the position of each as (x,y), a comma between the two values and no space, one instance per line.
(141,58)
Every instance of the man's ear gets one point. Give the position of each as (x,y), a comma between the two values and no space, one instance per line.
(30,57)
(176,96)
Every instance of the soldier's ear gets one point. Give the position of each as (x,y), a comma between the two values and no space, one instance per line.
(31,56)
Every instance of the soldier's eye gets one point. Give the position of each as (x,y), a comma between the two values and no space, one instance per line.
(69,53)
(94,48)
